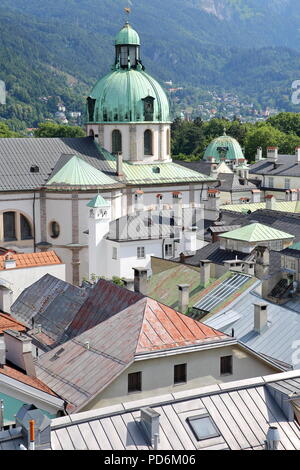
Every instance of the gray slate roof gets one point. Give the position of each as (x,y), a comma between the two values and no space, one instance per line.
(51,302)
(277,340)
(17,155)
(231,182)
(241,411)
(215,254)
(289,223)
(285,166)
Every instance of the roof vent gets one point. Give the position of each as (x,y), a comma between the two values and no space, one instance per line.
(34,169)
(156,169)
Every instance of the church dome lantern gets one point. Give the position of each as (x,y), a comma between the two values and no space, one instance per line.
(128,93)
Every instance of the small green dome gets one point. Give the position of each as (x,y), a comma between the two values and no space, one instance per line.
(224,147)
(127,36)
(121,96)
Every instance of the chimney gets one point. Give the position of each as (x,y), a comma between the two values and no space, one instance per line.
(184,297)
(139,200)
(159,198)
(205,272)
(140,280)
(272,154)
(19,351)
(150,425)
(190,240)
(213,200)
(9,261)
(270,202)
(37,437)
(256,195)
(129,284)
(120,164)
(288,195)
(177,206)
(182,258)
(2,353)
(297,153)
(293,194)
(258,155)
(249,268)
(260,317)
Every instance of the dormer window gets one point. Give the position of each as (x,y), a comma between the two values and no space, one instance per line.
(148,108)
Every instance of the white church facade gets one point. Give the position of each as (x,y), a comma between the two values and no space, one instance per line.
(107,202)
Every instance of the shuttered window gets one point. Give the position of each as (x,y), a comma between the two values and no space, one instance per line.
(116,141)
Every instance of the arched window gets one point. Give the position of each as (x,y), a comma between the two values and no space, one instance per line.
(168,142)
(116,141)
(148,142)
(9,226)
(26,232)
(54,229)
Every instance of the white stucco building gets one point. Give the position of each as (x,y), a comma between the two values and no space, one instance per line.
(46,184)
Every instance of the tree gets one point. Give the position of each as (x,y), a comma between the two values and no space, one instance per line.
(286,122)
(6,132)
(264,135)
(50,129)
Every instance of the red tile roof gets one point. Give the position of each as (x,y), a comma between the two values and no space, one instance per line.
(9,323)
(21,377)
(28,260)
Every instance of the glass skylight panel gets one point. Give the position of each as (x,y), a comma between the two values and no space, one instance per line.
(203,427)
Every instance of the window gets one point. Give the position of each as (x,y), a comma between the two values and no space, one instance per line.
(180,374)
(168,142)
(148,143)
(9,222)
(226,365)
(276,245)
(54,230)
(115,253)
(203,427)
(26,233)
(116,141)
(271,182)
(287,183)
(135,382)
(169,249)
(140,252)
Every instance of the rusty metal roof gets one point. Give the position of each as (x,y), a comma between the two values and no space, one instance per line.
(104,300)
(79,373)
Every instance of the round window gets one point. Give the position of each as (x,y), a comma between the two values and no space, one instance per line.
(54,230)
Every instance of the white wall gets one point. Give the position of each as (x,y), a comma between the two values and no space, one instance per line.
(203,368)
(21,278)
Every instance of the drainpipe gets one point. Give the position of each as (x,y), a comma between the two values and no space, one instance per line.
(1,415)
(33,210)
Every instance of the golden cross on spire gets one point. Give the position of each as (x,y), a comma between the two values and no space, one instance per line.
(127,10)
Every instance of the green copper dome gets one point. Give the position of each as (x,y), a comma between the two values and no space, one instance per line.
(123,96)
(224,147)
(127,36)
(128,93)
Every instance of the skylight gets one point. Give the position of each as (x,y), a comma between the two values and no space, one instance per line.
(203,427)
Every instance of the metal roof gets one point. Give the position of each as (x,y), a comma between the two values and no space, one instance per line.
(256,232)
(222,290)
(282,206)
(51,302)
(17,155)
(79,373)
(234,150)
(241,411)
(98,201)
(215,254)
(278,340)
(77,172)
(285,166)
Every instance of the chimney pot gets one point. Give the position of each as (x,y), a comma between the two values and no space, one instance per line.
(184,297)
